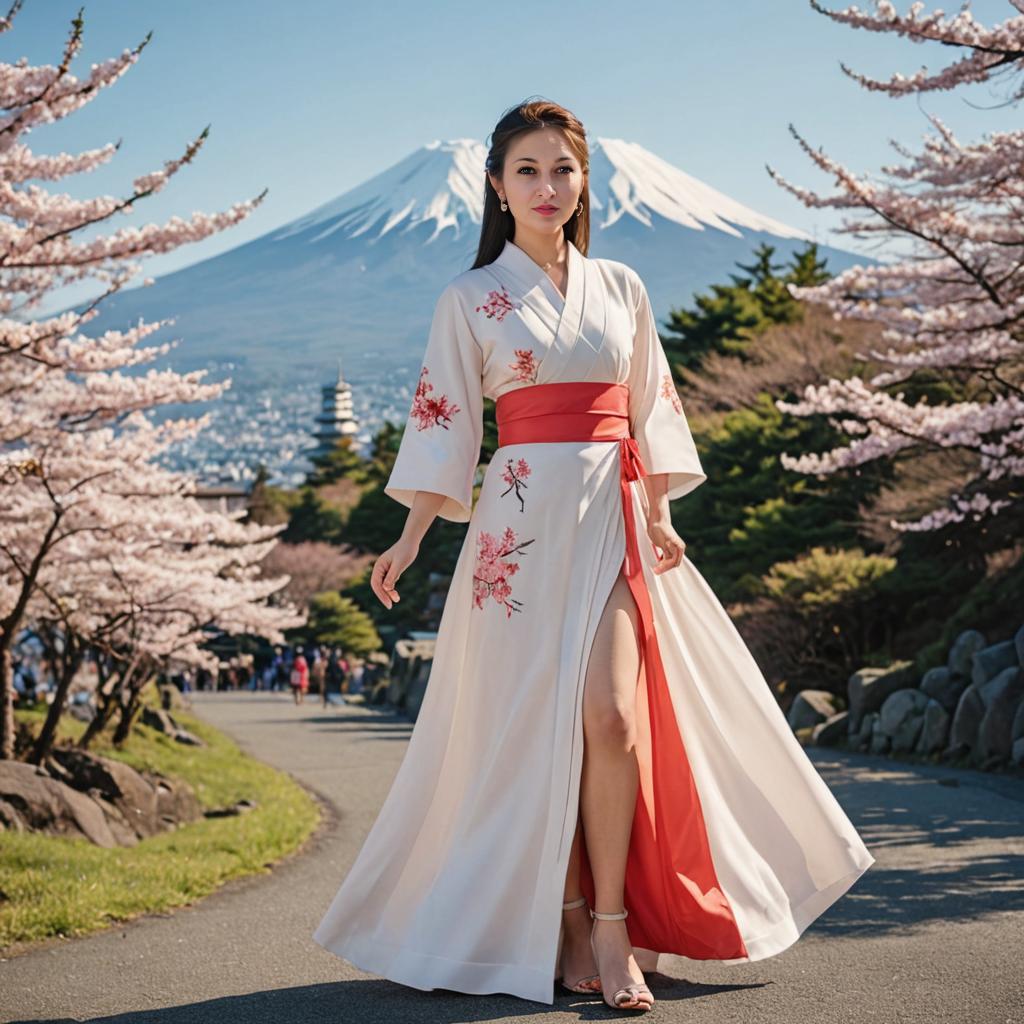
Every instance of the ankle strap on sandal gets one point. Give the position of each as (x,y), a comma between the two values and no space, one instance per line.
(573,904)
(609,917)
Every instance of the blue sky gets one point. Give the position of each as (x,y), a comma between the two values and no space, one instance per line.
(310,98)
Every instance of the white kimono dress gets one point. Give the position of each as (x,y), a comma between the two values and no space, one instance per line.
(737,844)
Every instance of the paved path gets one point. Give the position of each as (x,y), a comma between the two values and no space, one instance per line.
(933,932)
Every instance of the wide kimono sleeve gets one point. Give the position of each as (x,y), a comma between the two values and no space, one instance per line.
(440,445)
(656,416)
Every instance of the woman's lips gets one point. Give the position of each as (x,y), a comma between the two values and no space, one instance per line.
(546,209)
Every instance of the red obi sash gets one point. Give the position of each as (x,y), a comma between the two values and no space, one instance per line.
(675,902)
(578,411)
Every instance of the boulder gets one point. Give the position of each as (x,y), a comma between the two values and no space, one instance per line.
(1002,699)
(868,688)
(1017,728)
(176,801)
(113,781)
(831,732)
(861,739)
(880,741)
(902,716)
(159,719)
(970,710)
(934,728)
(990,661)
(942,685)
(32,801)
(965,646)
(810,707)
(163,721)
(141,803)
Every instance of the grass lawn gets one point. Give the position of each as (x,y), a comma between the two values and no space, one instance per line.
(52,886)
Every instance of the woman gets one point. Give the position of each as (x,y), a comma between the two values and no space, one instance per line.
(594,733)
(300,677)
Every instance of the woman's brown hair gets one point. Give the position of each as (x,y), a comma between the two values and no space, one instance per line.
(498,226)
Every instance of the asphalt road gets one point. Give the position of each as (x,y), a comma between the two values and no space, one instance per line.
(933,932)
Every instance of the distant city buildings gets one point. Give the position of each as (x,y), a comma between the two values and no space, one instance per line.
(270,422)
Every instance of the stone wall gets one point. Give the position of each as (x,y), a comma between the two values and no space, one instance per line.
(970,710)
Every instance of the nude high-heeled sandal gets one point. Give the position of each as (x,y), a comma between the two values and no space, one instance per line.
(632,992)
(584,986)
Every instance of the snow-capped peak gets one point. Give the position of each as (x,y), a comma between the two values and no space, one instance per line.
(626,179)
(442,184)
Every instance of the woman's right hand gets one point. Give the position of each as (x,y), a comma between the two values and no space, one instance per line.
(388,569)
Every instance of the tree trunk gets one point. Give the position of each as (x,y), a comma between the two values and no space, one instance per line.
(71,661)
(9,629)
(128,713)
(6,700)
(106,705)
(103,715)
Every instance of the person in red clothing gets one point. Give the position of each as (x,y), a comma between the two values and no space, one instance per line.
(300,676)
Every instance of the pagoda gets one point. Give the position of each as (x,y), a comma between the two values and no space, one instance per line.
(337,418)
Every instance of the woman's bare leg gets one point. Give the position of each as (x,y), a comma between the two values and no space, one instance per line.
(577,956)
(610,778)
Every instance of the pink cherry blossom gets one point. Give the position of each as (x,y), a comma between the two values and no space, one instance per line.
(952,311)
(97,540)
(668,390)
(429,410)
(525,367)
(494,567)
(515,474)
(498,304)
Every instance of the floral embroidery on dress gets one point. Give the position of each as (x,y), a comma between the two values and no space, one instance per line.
(525,365)
(514,475)
(493,569)
(498,304)
(428,410)
(668,390)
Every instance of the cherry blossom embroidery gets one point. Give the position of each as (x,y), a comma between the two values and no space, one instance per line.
(428,410)
(514,475)
(493,569)
(525,365)
(498,304)
(668,390)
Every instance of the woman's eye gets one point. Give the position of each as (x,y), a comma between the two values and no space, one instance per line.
(568,169)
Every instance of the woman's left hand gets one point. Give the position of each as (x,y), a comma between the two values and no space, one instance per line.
(672,546)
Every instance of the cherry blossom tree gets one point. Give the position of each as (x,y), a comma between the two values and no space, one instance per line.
(146,594)
(94,535)
(949,354)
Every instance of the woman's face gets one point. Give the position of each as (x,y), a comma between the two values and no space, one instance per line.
(541,171)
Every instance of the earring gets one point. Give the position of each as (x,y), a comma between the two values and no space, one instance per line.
(504,205)
(579,209)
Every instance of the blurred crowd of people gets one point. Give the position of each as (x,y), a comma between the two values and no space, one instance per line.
(319,669)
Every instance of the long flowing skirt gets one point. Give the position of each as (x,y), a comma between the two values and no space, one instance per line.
(737,843)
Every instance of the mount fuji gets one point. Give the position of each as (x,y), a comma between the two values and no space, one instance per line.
(356,278)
